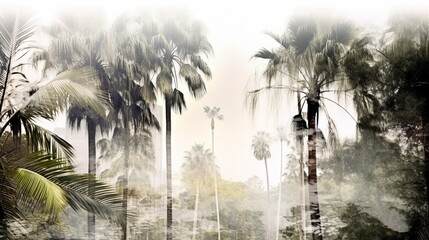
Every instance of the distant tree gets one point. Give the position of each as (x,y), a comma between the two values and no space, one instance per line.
(197,167)
(261,151)
(212,114)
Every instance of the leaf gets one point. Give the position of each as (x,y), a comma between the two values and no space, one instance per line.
(177,101)
(37,190)
(194,80)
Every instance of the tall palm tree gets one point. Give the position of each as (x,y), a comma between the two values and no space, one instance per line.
(179,43)
(76,43)
(118,58)
(24,100)
(198,165)
(261,151)
(310,57)
(132,112)
(213,113)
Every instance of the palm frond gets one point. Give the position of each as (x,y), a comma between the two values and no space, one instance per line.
(194,80)
(282,40)
(199,63)
(8,197)
(164,82)
(36,190)
(70,87)
(106,202)
(302,32)
(178,100)
(43,139)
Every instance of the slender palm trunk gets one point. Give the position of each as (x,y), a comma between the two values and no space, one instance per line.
(169,180)
(125,181)
(300,138)
(280,190)
(215,186)
(91,172)
(302,235)
(312,169)
(194,227)
(268,200)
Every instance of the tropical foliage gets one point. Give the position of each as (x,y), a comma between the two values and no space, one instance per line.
(36,166)
(107,77)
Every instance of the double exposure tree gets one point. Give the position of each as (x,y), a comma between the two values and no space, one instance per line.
(181,46)
(309,61)
(78,44)
(405,87)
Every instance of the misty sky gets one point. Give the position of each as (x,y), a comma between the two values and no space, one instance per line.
(235,30)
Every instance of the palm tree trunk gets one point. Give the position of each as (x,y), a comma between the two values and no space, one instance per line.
(91,172)
(302,235)
(215,186)
(125,181)
(300,139)
(268,200)
(169,180)
(280,190)
(313,107)
(194,227)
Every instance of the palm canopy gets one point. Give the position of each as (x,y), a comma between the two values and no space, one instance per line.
(180,43)
(309,55)
(261,145)
(198,165)
(315,57)
(213,113)
(24,100)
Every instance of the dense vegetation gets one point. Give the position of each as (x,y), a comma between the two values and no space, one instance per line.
(109,77)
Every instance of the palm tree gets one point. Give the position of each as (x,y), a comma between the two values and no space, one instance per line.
(37,175)
(76,43)
(261,151)
(198,165)
(123,76)
(213,113)
(179,43)
(132,112)
(310,57)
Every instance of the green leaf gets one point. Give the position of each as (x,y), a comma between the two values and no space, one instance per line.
(37,190)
